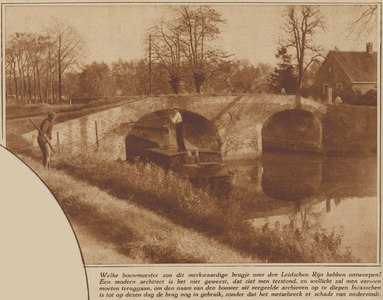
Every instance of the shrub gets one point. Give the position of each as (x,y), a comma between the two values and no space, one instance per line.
(305,243)
(369,98)
(350,96)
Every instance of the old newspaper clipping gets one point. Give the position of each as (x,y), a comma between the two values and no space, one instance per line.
(177,150)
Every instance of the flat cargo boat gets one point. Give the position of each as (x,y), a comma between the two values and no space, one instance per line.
(195,164)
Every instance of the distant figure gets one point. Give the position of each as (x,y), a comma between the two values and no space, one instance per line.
(328,205)
(337,200)
(329,96)
(283,91)
(177,120)
(338,101)
(44,136)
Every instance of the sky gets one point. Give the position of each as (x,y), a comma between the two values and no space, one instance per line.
(118,31)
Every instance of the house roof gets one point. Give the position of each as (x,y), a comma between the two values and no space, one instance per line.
(359,66)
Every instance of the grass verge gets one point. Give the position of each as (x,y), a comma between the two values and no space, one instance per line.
(219,219)
(141,235)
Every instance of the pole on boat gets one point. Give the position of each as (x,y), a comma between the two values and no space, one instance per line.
(58,141)
(149,119)
(95,122)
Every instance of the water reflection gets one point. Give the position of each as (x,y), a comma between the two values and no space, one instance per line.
(290,177)
(336,191)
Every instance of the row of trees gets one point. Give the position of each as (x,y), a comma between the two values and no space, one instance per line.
(183,56)
(183,45)
(35,63)
(125,78)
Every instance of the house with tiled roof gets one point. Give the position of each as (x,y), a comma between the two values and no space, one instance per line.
(346,70)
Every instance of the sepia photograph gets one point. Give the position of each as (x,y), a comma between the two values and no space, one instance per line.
(201,133)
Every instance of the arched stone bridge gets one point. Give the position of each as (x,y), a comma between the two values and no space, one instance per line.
(246,124)
(239,126)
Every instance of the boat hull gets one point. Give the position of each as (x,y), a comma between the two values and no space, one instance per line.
(195,164)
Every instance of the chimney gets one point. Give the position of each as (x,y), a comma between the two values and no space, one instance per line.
(369,48)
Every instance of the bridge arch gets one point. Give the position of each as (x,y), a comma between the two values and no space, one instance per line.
(317,109)
(292,129)
(198,130)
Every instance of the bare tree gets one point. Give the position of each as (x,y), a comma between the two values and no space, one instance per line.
(49,67)
(11,64)
(20,58)
(29,66)
(68,47)
(302,22)
(31,59)
(165,44)
(366,21)
(39,48)
(198,26)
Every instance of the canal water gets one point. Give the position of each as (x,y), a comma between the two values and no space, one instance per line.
(336,192)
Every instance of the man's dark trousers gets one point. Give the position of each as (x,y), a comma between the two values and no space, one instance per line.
(180,139)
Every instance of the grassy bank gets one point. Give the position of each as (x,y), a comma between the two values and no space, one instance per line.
(153,216)
(141,235)
(217,219)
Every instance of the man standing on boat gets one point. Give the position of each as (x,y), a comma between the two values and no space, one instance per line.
(177,120)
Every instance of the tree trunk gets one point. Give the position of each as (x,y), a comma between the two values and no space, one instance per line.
(59,61)
(175,84)
(38,83)
(24,88)
(10,88)
(15,79)
(47,87)
(59,99)
(198,81)
(35,85)
(21,82)
(29,87)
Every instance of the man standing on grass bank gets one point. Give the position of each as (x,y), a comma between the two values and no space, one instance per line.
(177,120)
(44,136)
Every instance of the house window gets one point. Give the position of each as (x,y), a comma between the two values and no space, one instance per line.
(325,89)
(339,86)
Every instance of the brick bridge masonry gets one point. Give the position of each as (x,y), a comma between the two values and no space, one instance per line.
(240,121)
(242,125)
(246,124)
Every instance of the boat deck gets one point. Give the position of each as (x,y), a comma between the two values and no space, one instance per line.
(172,151)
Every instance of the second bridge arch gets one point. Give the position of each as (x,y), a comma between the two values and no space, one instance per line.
(292,130)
